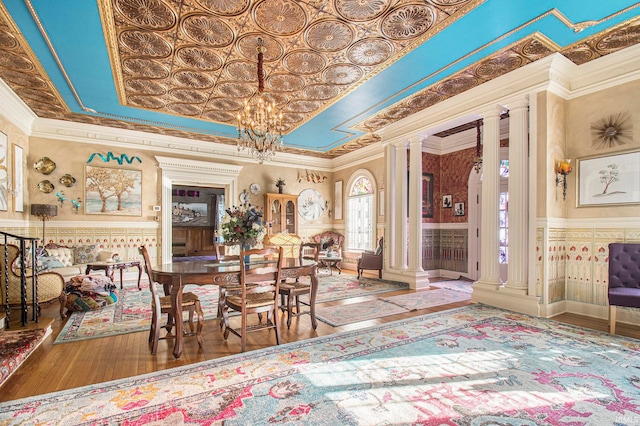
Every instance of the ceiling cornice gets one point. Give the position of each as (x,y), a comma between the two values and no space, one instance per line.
(15,110)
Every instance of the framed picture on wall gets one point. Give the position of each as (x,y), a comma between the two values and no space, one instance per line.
(190,214)
(18,178)
(447,201)
(337,200)
(612,179)
(4,174)
(458,209)
(427,195)
(113,191)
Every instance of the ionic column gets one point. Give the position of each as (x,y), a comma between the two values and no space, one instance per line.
(415,205)
(518,184)
(389,201)
(400,207)
(489,222)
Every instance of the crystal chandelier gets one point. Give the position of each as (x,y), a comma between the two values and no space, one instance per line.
(259,125)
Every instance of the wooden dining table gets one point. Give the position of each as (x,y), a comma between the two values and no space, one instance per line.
(174,276)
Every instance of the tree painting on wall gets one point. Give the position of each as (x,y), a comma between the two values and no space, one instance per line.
(113,191)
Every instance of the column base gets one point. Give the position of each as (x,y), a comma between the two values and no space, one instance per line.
(416,280)
(498,297)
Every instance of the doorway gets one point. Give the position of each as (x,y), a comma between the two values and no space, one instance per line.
(180,172)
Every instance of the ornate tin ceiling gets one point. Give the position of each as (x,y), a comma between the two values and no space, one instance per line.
(196,59)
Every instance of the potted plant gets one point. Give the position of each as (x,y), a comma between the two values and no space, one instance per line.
(280,184)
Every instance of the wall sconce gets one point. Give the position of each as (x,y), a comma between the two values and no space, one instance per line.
(563,169)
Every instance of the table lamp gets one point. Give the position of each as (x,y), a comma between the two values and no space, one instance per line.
(44,212)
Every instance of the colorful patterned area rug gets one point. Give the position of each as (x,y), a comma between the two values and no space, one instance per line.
(132,313)
(468,366)
(345,286)
(385,306)
(427,299)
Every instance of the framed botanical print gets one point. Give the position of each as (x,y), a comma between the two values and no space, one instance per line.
(612,179)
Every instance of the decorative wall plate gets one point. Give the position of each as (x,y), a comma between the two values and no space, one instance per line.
(245,198)
(45,165)
(67,180)
(254,188)
(310,204)
(45,186)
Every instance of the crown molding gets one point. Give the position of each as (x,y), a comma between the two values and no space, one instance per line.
(15,110)
(124,138)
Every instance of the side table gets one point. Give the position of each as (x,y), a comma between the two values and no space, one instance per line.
(110,267)
(330,262)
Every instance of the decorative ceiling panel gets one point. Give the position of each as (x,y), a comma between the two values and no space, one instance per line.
(167,51)
(197,59)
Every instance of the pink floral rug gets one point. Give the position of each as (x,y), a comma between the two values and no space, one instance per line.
(475,365)
(15,347)
(132,313)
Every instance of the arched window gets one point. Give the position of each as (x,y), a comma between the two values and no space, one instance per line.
(361,212)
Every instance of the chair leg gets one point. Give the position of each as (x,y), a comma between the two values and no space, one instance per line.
(200,320)
(225,321)
(191,325)
(380,273)
(156,337)
(359,272)
(612,319)
(277,324)
(289,309)
(243,336)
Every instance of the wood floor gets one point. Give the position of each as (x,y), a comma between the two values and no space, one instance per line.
(57,367)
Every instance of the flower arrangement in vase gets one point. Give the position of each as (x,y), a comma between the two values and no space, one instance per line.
(280,184)
(242,225)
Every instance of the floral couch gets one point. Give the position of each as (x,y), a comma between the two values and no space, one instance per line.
(72,261)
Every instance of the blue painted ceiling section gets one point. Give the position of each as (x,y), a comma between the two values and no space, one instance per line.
(76,32)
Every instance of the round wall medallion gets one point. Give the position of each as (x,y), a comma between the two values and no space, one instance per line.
(254,188)
(310,204)
(245,197)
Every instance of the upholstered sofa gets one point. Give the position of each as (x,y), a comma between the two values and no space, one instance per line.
(74,260)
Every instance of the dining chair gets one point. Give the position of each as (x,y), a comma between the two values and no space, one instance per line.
(162,305)
(290,291)
(258,294)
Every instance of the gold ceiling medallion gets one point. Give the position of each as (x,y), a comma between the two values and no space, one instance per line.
(259,125)
(613,130)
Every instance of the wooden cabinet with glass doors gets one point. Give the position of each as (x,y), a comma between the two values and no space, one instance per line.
(281,213)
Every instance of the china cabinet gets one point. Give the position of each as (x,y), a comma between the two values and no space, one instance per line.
(281,213)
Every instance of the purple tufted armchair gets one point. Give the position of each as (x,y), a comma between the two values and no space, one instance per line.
(624,279)
(372,260)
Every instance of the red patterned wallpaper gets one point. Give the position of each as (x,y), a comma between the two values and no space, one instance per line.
(451,177)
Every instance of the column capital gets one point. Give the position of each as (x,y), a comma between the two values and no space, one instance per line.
(516,104)
(492,111)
